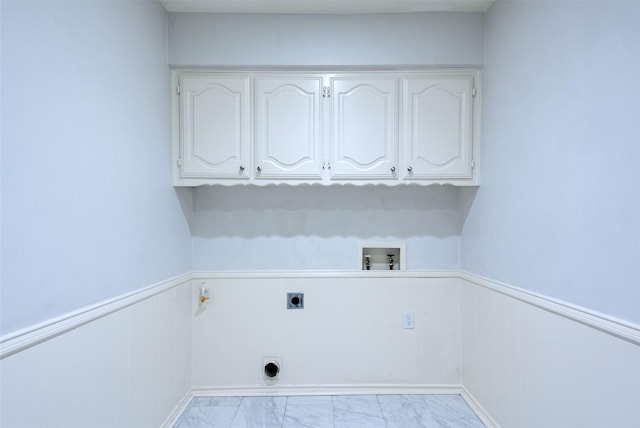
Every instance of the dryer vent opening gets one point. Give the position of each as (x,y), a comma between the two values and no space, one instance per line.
(271,369)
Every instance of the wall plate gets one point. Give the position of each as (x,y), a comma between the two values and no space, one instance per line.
(268,377)
(295,300)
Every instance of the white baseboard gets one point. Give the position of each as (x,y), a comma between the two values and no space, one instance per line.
(484,416)
(315,390)
(182,405)
(286,390)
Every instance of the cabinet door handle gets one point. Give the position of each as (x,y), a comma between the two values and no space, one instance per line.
(259,168)
(393,169)
(409,169)
(241,168)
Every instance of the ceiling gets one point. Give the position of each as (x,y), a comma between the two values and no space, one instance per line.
(326,6)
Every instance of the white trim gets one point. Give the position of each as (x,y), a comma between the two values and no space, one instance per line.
(30,336)
(38,333)
(25,338)
(477,408)
(33,335)
(251,70)
(326,274)
(349,389)
(614,326)
(182,405)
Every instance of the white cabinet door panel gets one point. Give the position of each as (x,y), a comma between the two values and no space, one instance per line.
(438,128)
(288,128)
(214,126)
(365,137)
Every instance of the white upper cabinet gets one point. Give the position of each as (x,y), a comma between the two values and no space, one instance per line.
(292,126)
(364,128)
(288,128)
(214,126)
(438,127)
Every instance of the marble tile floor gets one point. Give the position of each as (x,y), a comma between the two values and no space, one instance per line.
(338,411)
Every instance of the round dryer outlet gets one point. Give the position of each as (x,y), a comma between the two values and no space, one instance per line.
(271,368)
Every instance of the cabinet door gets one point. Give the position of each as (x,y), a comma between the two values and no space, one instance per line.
(214,126)
(438,114)
(288,128)
(365,127)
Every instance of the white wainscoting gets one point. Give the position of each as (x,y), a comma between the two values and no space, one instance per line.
(520,359)
(531,361)
(122,363)
(349,334)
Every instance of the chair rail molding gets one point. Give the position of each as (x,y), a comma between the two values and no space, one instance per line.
(32,335)
(25,338)
(621,329)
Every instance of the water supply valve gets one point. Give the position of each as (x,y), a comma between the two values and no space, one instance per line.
(204,293)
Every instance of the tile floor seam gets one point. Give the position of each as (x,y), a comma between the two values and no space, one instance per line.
(384,418)
(235,413)
(333,411)
(284,415)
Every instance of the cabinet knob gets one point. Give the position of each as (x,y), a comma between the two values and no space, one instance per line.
(393,169)
(259,168)
(409,169)
(241,168)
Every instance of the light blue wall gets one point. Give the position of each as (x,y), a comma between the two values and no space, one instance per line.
(88,210)
(320,228)
(417,38)
(558,209)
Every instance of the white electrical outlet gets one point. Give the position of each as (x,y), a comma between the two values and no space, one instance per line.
(409,320)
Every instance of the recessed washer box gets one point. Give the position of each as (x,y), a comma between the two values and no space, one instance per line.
(382,255)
